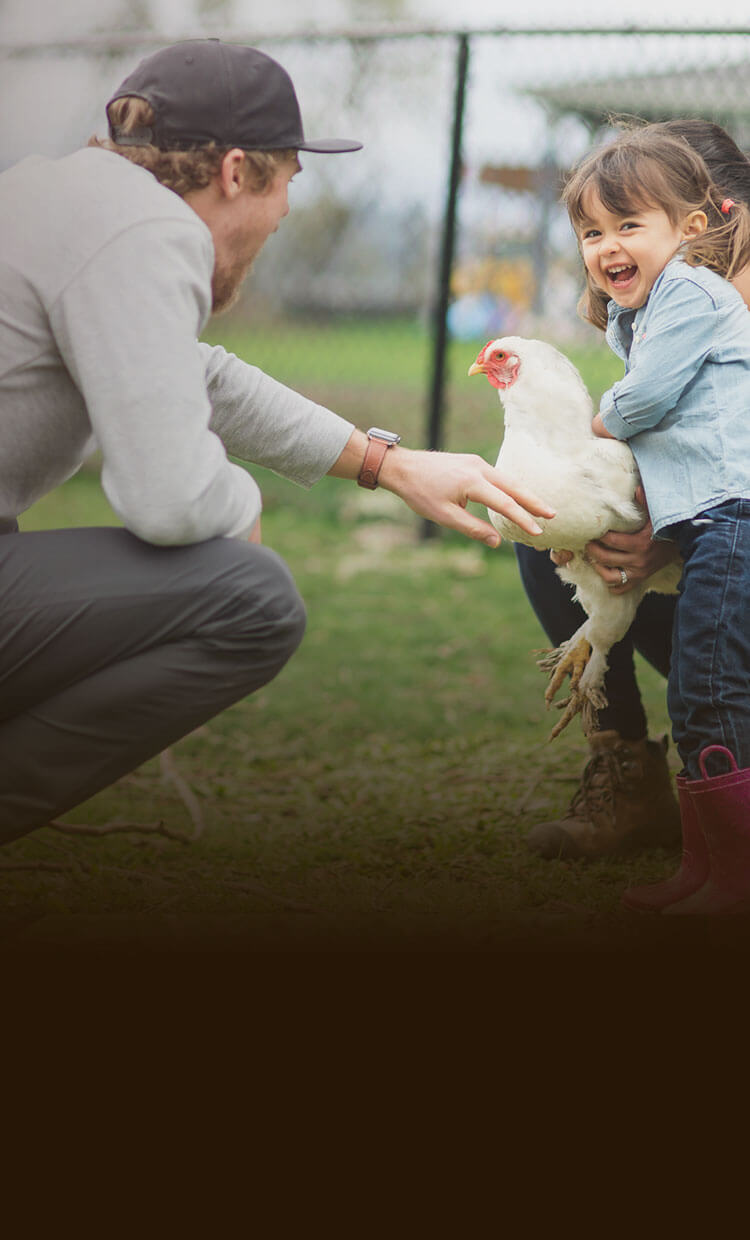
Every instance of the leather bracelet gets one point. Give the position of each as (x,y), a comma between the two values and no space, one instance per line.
(371,465)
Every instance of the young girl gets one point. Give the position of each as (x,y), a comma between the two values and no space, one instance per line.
(657,239)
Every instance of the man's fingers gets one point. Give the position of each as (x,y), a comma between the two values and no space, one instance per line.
(526,499)
(517,507)
(518,515)
(440,485)
(480,531)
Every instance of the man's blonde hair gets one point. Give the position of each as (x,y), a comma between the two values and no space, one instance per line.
(183,171)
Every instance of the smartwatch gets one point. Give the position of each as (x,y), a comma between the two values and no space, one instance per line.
(378,443)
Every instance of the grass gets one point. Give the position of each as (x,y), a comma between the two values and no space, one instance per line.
(376,795)
(371,370)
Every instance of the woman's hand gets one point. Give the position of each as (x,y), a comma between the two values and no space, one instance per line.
(639,555)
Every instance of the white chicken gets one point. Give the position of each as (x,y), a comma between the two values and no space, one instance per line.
(550,447)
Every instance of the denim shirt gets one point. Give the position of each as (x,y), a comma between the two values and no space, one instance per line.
(685,397)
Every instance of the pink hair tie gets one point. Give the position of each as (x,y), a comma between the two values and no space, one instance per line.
(727,205)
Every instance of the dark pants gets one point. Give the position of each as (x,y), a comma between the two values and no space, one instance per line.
(111,649)
(650,634)
(709,684)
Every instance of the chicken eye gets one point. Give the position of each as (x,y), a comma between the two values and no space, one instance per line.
(500,355)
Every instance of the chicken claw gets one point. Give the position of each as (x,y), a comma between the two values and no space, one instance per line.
(571,706)
(587,702)
(571,662)
(561,663)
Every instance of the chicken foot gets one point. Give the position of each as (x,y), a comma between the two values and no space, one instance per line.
(565,661)
(577,659)
(587,704)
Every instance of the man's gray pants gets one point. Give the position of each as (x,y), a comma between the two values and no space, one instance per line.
(111,649)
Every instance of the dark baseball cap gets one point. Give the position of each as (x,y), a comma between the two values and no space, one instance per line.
(203,90)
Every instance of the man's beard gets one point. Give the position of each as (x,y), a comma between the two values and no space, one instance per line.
(226,284)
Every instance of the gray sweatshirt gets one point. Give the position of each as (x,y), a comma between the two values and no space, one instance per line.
(105,286)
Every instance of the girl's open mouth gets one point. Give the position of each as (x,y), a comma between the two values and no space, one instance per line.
(620,277)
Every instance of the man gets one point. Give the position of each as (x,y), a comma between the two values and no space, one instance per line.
(116,642)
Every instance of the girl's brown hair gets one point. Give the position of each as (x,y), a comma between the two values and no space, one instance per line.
(652,168)
(183,171)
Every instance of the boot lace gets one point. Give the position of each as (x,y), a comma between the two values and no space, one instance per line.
(604,776)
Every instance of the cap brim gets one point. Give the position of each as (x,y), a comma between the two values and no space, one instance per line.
(330,146)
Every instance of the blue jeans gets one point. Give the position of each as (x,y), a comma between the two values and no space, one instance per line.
(650,634)
(708,692)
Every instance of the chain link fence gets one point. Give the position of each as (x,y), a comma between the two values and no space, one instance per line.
(398,262)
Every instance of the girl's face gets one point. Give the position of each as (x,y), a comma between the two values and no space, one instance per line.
(624,254)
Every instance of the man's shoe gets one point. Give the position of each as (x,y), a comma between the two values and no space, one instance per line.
(625,802)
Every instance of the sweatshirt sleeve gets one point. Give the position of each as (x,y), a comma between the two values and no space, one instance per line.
(263,421)
(126,326)
(678,338)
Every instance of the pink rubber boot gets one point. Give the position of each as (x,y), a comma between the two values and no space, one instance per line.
(722,807)
(694,866)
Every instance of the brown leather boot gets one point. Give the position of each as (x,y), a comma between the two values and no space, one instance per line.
(625,802)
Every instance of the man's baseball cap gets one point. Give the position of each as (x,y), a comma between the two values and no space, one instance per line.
(203,90)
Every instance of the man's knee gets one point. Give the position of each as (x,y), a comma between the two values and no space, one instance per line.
(289,614)
(269,606)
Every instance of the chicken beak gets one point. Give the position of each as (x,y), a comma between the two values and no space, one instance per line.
(477,368)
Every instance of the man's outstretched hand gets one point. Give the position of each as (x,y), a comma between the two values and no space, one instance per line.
(439,485)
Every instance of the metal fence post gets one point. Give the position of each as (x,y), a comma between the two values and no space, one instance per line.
(440,311)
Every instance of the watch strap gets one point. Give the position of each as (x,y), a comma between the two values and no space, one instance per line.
(371,465)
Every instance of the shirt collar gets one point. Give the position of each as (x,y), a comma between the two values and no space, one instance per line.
(621,319)
(614,310)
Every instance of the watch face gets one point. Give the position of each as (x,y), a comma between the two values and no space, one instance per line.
(387,436)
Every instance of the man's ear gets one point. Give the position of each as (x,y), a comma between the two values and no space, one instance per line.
(694,224)
(232,173)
